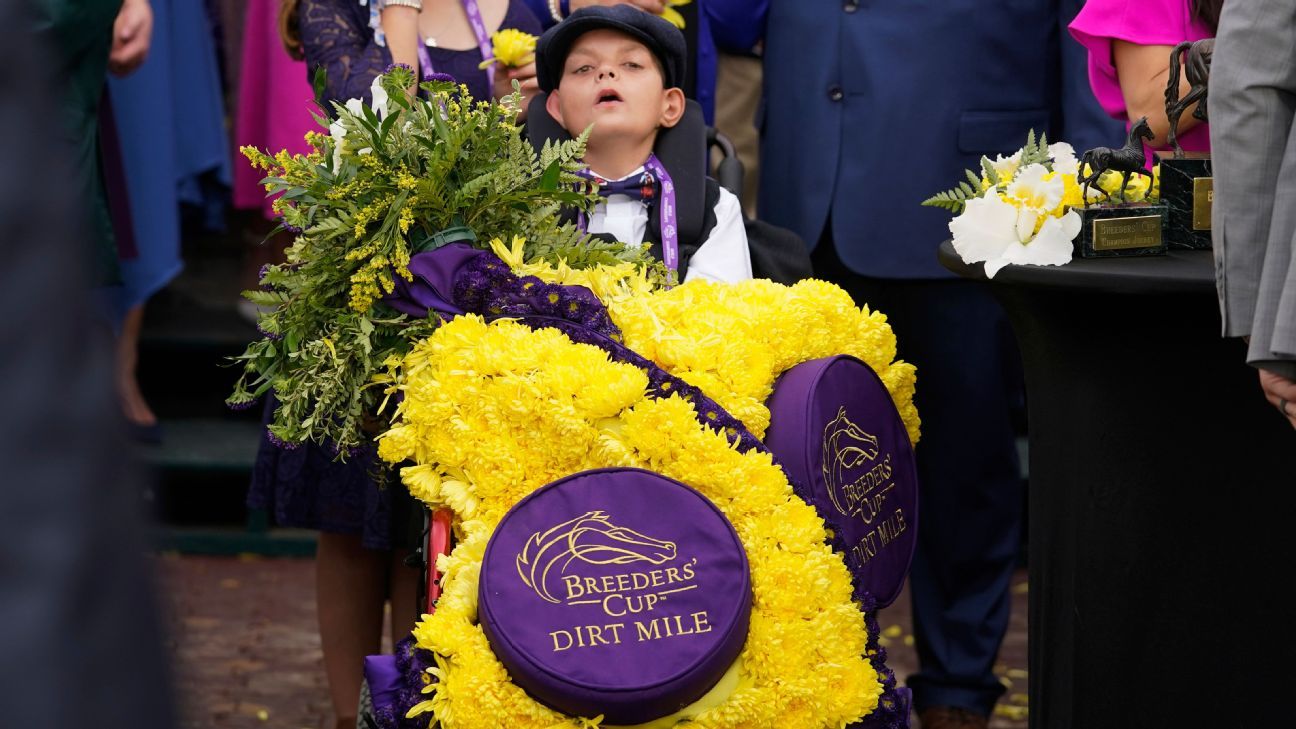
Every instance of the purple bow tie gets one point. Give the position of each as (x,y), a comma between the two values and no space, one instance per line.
(640,187)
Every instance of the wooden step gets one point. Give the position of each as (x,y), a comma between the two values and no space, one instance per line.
(204,443)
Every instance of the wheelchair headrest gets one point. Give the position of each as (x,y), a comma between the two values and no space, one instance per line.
(681,149)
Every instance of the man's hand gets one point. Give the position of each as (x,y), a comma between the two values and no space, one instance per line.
(132,33)
(653,6)
(1281,393)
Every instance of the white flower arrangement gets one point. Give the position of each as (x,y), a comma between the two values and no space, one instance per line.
(1019,210)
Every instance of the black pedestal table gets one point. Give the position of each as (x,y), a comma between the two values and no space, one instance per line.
(1162,501)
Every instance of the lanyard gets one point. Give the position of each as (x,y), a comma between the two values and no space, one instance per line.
(666,212)
(483,43)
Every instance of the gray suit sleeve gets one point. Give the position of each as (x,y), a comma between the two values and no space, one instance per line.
(1253,151)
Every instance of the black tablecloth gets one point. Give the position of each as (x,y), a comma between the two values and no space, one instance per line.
(1162,490)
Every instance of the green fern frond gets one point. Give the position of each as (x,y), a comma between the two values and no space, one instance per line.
(952,200)
(987,169)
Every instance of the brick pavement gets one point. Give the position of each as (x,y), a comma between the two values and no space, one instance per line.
(242,635)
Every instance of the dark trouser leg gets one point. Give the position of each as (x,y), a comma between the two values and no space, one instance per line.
(970,489)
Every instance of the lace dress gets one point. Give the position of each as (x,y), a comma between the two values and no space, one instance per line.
(305,487)
(336,36)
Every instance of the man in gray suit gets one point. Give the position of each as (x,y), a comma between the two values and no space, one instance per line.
(1253,143)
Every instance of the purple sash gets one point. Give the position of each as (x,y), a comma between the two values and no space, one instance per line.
(669,227)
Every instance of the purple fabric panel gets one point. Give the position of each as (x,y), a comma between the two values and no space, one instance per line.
(384,680)
(617,592)
(433,286)
(836,431)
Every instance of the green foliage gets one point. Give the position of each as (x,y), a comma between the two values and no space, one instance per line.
(1036,152)
(380,187)
(955,199)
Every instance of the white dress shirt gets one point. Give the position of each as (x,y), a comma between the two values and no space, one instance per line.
(722,257)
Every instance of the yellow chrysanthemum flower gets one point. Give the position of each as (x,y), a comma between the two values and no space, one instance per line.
(512,48)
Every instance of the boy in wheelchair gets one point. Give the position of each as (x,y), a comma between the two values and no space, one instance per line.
(619,69)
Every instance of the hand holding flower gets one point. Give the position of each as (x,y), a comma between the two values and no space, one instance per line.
(512,49)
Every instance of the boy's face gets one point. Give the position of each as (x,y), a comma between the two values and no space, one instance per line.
(612,81)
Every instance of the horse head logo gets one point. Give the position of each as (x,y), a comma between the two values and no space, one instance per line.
(845,446)
(590,538)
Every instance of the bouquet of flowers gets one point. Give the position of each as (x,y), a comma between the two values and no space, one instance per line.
(1021,209)
(407,175)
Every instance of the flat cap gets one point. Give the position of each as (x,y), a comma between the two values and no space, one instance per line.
(663,39)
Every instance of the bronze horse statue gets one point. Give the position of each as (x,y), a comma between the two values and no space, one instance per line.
(1196,65)
(1128,160)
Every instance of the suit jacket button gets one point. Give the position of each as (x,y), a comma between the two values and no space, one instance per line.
(835,93)
(850,6)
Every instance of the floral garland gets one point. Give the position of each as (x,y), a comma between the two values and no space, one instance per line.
(539,406)
(549,361)
(734,340)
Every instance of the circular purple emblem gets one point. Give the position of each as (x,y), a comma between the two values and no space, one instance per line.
(836,431)
(617,592)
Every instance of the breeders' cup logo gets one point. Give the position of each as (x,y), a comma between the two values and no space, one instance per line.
(857,482)
(589,539)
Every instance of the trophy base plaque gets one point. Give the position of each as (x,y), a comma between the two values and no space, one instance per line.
(1188,190)
(1127,229)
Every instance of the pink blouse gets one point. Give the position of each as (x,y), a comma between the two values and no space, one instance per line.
(1143,22)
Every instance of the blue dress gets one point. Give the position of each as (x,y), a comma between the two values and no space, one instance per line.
(170,120)
(307,487)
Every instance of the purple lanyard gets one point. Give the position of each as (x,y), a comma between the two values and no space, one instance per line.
(483,43)
(666,212)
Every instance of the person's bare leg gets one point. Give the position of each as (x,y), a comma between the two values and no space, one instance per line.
(350,587)
(134,406)
(405,610)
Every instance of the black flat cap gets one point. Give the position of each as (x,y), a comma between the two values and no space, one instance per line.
(662,38)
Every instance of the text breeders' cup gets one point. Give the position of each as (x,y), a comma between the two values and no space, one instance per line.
(617,592)
(837,433)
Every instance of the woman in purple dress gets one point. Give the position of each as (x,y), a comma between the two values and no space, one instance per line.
(367,521)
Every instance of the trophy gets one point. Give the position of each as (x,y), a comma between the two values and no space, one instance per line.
(1113,226)
(1187,187)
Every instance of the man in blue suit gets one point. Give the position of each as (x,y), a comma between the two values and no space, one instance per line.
(870,107)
